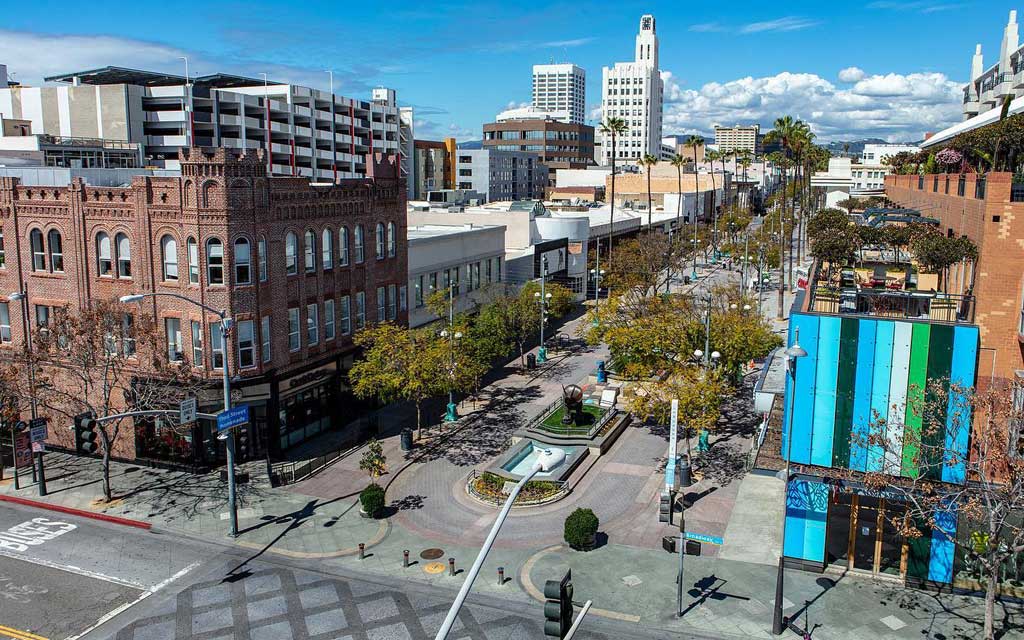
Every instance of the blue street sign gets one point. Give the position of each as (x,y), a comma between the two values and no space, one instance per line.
(233,417)
(700,537)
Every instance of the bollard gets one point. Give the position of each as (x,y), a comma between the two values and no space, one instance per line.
(451,566)
(362,551)
(501,576)
(405,559)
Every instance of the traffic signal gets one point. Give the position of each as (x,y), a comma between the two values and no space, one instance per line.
(85,433)
(558,607)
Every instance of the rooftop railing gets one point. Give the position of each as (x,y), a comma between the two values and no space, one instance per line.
(931,306)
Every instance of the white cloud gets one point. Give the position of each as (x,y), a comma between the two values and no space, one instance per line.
(892,106)
(851,74)
(707,27)
(575,42)
(789,23)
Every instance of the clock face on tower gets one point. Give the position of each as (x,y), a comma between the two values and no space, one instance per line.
(646,23)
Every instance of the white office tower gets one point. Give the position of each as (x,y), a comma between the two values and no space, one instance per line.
(634,92)
(560,88)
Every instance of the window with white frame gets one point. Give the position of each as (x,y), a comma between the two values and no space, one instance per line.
(124,255)
(3,254)
(310,251)
(216,345)
(418,285)
(291,253)
(380,240)
(55,246)
(343,247)
(327,249)
(312,324)
(169,255)
(172,329)
(403,294)
(193,260)
(360,310)
(35,239)
(294,337)
(5,322)
(265,338)
(214,261)
(246,332)
(346,316)
(359,243)
(328,319)
(261,258)
(381,304)
(243,261)
(197,343)
(392,301)
(392,249)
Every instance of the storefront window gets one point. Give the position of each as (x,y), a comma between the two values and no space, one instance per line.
(305,414)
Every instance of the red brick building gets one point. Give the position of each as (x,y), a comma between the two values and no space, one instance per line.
(990,211)
(300,268)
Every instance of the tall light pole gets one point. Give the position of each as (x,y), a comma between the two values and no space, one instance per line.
(597,274)
(452,414)
(226,323)
(548,460)
(542,353)
(37,468)
(794,352)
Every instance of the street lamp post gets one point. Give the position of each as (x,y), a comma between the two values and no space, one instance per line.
(542,353)
(794,352)
(597,274)
(38,469)
(548,460)
(226,323)
(451,414)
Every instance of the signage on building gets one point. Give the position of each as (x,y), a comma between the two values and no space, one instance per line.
(575,248)
(22,450)
(308,378)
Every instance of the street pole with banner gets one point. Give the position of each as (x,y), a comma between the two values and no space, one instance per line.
(37,433)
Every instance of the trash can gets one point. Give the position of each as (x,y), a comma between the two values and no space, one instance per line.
(531,361)
(406,439)
(602,375)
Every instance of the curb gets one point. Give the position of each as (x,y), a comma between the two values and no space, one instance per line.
(138,524)
(535,593)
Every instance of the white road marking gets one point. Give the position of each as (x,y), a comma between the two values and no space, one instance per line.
(73,569)
(128,605)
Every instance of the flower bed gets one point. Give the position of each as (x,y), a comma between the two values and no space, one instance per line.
(488,487)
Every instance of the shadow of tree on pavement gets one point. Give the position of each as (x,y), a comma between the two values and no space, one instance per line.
(951,617)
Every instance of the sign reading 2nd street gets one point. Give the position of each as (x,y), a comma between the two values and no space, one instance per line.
(233,417)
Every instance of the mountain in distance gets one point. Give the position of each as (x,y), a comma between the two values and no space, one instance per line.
(471,144)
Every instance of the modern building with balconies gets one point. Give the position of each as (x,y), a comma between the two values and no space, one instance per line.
(308,132)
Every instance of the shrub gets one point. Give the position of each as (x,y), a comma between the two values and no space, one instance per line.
(580,528)
(372,499)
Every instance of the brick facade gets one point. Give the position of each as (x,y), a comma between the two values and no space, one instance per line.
(226,198)
(988,216)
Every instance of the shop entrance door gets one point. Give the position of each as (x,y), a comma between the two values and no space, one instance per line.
(874,544)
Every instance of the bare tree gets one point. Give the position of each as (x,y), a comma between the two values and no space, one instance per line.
(951,476)
(106,361)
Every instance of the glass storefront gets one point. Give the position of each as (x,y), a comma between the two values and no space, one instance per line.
(861,535)
(306,413)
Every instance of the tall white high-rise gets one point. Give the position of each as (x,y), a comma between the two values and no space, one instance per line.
(634,92)
(560,87)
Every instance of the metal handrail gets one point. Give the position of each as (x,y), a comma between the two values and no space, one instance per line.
(940,307)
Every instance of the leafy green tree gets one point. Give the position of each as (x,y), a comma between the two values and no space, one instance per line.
(936,252)
(373,460)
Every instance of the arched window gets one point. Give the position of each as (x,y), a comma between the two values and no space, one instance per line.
(261,250)
(391,240)
(343,247)
(242,262)
(380,240)
(55,246)
(327,248)
(359,243)
(169,254)
(124,256)
(310,251)
(104,259)
(193,261)
(38,250)
(291,253)
(214,261)
(207,186)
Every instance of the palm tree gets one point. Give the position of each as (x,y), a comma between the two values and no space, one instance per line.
(678,161)
(785,131)
(745,161)
(648,162)
(710,156)
(612,127)
(695,142)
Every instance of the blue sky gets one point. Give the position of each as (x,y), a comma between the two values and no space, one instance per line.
(461,62)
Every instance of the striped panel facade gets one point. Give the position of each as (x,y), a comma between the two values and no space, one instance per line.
(863,381)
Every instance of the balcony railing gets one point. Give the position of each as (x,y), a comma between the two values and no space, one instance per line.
(886,303)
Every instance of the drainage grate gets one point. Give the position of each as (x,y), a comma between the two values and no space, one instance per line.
(431,554)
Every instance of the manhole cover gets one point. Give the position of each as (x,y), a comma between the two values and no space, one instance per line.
(435,567)
(431,554)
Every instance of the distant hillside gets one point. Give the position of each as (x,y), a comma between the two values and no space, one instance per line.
(472,144)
